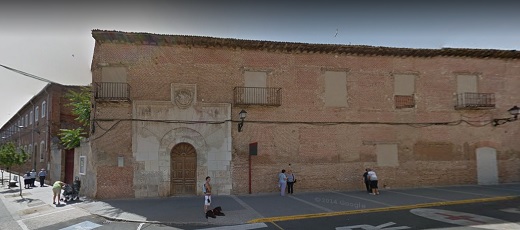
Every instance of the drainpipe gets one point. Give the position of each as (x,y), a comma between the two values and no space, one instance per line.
(32,134)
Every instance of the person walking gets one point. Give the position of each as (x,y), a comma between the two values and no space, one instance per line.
(56,191)
(367,181)
(373,182)
(206,189)
(290,182)
(282,180)
(42,174)
(33,177)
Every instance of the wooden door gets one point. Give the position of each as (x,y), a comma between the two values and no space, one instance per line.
(183,170)
(69,166)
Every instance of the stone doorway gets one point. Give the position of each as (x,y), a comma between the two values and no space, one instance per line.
(183,170)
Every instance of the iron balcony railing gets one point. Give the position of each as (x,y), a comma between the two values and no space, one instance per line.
(475,101)
(112,91)
(257,96)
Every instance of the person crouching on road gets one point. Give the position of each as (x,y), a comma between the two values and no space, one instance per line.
(56,190)
(206,189)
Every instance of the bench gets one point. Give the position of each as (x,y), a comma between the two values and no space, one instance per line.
(12,183)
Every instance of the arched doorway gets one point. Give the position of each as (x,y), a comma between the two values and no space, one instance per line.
(183,170)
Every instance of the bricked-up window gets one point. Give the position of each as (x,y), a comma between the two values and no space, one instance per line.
(26,119)
(42,151)
(466,84)
(387,155)
(404,90)
(31,117)
(44,109)
(255,79)
(336,88)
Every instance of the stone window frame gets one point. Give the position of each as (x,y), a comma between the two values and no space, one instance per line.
(44,108)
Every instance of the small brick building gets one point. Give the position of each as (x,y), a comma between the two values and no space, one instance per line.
(35,128)
(166,113)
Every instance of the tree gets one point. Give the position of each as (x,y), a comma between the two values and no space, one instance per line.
(10,156)
(81,107)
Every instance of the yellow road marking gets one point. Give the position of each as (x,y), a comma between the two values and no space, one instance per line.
(370,210)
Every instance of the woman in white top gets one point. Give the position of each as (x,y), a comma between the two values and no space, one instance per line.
(282,180)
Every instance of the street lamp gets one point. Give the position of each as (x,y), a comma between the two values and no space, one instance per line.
(242,116)
(514,111)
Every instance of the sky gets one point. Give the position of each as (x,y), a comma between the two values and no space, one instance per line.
(52,39)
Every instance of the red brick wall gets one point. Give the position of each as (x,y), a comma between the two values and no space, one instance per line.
(333,156)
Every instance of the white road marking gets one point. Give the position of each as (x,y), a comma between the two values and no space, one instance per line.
(464,219)
(470,193)
(427,197)
(371,227)
(511,210)
(85,225)
(239,227)
(367,199)
(312,204)
(140,226)
(22,225)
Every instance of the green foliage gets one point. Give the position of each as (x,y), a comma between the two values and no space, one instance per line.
(71,138)
(10,156)
(81,107)
(81,104)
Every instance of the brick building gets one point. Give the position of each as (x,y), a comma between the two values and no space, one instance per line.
(35,129)
(166,112)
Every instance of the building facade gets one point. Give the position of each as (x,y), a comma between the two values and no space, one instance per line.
(165,115)
(35,127)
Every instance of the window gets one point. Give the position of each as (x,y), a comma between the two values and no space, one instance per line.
(29,150)
(404,90)
(42,151)
(335,89)
(26,119)
(82,165)
(36,113)
(31,117)
(23,123)
(44,109)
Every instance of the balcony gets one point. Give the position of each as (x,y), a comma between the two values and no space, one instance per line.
(257,96)
(404,101)
(475,101)
(112,91)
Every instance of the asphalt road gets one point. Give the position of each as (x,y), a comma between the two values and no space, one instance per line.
(488,215)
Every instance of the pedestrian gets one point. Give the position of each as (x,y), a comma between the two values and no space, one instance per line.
(33,177)
(282,180)
(206,189)
(56,190)
(27,179)
(42,174)
(366,181)
(373,182)
(290,182)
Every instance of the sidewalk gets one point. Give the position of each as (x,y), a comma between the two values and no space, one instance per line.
(253,208)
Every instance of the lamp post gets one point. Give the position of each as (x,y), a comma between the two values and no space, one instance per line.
(514,111)
(242,116)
